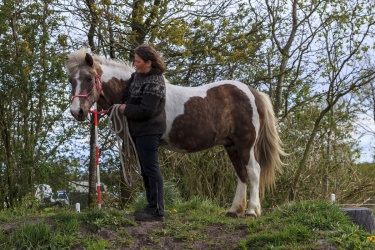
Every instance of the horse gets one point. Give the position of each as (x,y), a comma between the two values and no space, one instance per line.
(227,113)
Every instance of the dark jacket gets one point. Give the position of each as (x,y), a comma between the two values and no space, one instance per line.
(145,101)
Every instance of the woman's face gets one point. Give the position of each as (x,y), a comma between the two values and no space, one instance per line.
(140,65)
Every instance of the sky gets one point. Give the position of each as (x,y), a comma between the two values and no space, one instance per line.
(366,139)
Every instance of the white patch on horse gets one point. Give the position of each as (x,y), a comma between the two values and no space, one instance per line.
(253,170)
(110,72)
(239,200)
(75,106)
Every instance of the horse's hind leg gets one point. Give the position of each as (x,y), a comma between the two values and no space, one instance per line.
(239,202)
(247,171)
(253,169)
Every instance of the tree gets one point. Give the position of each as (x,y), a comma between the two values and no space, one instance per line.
(314,57)
(31,104)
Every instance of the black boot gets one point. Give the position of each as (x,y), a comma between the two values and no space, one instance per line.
(149,217)
(146,209)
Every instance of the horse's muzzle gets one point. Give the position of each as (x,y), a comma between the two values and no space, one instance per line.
(79,115)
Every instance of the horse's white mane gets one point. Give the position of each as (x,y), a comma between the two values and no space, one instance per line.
(113,62)
(77,59)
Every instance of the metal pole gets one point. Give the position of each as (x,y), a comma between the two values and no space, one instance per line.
(95,111)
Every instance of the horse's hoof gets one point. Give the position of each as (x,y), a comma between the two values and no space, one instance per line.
(251,216)
(232,215)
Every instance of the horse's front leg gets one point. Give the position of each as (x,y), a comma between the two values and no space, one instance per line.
(253,170)
(239,201)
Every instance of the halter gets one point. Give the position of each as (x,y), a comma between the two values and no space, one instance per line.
(98,89)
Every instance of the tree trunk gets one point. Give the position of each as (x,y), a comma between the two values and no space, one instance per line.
(302,162)
(363,217)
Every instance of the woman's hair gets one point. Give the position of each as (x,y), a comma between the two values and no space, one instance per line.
(146,52)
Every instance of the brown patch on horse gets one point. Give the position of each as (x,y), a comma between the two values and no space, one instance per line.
(238,163)
(224,116)
(112,88)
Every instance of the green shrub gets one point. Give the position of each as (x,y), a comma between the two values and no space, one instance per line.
(67,222)
(302,224)
(172,197)
(98,219)
(31,236)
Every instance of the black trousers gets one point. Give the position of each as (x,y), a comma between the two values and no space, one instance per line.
(147,150)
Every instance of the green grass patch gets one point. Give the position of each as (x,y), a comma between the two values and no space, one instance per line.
(5,217)
(32,235)
(301,225)
(305,225)
(67,223)
(97,220)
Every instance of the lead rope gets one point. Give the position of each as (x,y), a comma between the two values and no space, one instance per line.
(116,124)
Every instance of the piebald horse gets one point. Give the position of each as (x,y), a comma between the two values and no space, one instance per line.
(227,113)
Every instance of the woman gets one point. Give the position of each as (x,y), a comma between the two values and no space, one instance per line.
(144,100)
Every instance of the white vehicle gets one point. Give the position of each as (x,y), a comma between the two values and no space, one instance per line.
(62,198)
(44,193)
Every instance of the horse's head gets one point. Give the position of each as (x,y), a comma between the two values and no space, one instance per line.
(84,75)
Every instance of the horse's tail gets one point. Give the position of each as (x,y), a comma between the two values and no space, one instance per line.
(268,149)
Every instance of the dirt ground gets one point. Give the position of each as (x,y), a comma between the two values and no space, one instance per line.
(143,236)
(216,238)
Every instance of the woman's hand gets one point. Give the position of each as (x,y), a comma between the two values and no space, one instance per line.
(121,109)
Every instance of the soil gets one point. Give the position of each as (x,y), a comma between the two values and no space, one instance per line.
(143,236)
(215,235)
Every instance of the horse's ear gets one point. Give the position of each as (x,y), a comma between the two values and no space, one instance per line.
(89,59)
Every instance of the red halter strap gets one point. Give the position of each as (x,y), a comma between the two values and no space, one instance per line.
(97,85)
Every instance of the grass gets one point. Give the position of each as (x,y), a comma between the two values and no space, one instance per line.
(305,225)
(190,225)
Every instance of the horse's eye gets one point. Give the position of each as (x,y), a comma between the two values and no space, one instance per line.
(89,79)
